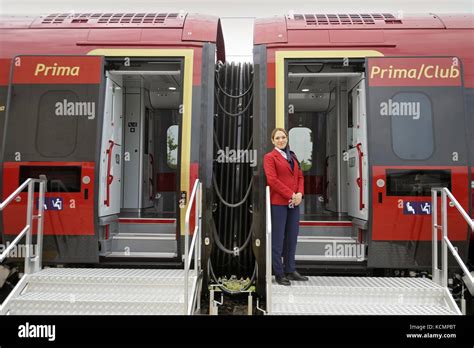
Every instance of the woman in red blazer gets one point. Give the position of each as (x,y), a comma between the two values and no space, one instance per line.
(285,178)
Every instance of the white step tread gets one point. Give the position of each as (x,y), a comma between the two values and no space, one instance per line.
(142,254)
(344,309)
(99,291)
(128,275)
(94,308)
(105,292)
(159,295)
(360,282)
(361,296)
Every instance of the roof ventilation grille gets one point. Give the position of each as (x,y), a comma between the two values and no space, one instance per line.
(109,18)
(346,19)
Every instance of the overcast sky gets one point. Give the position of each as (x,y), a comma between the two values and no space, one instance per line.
(237,16)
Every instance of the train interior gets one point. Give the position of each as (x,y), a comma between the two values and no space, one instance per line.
(140,160)
(327,131)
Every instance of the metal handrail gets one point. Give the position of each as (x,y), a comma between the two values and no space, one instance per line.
(440,276)
(196,200)
(268,246)
(32,264)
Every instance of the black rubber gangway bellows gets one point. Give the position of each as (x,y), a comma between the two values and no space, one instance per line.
(232,172)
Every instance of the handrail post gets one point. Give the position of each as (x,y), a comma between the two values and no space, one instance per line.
(40,224)
(440,276)
(199,237)
(192,198)
(444,223)
(29,222)
(199,241)
(33,260)
(434,219)
(268,271)
(186,264)
(196,224)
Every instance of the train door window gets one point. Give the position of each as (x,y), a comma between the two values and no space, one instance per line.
(172,146)
(412,125)
(56,134)
(301,143)
(59,178)
(416,182)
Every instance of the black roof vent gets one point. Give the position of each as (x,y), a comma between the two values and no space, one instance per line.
(109,18)
(346,19)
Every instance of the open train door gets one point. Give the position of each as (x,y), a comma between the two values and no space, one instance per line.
(417,140)
(54,109)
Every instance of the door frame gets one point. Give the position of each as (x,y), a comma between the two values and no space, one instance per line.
(188,56)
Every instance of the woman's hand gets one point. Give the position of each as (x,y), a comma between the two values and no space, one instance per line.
(297,198)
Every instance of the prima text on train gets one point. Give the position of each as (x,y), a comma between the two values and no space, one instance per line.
(425,71)
(55,70)
(237,156)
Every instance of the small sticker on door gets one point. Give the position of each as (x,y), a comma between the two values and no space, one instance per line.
(417,208)
(52,203)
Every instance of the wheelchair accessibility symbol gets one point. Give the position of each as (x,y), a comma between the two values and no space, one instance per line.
(52,203)
(417,208)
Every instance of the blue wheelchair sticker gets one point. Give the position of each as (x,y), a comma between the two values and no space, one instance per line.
(417,208)
(52,203)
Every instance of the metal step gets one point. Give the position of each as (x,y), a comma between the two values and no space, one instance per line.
(145,225)
(64,291)
(54,306)
(324,309)
(362,296)
(110,275)
(140,255)
(327,230)
(127,243)
(315,248)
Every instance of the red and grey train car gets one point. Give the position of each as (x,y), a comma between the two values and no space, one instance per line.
(117,111)
(379,110)
(110,108)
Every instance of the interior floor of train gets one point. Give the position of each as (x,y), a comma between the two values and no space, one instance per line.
(147,214)
(326,216)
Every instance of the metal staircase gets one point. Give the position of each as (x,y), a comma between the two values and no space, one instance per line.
(100,291)
(82,291)
(372,295)
(362,296)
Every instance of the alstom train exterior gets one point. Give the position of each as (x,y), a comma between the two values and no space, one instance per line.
(121,112)
(379,110)
(111,109)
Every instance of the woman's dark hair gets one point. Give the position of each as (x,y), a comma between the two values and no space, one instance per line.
(279,129)
(292,154)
